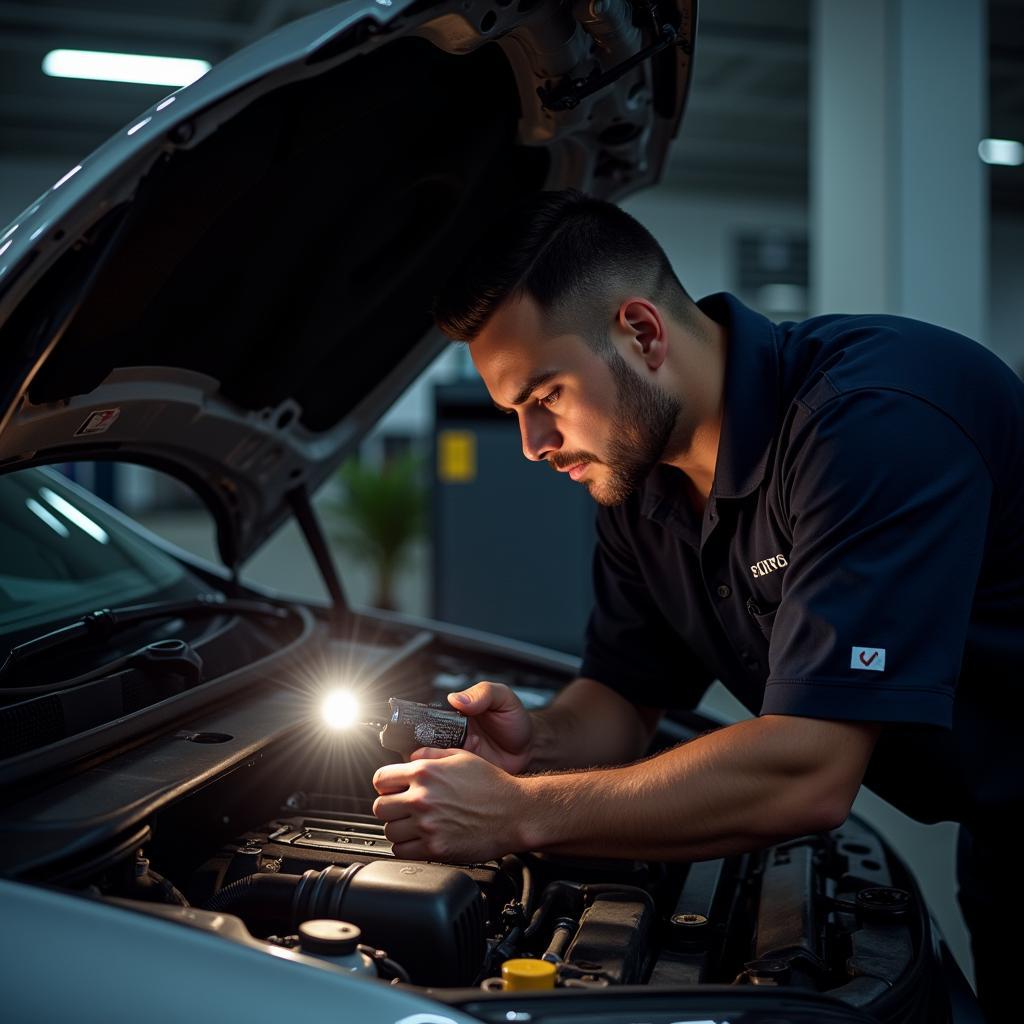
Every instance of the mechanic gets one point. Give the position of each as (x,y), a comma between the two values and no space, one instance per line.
(828,516)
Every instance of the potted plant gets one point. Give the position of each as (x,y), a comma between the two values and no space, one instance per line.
(381,511)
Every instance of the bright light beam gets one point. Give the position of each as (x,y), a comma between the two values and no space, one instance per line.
(100,66)
(340,709)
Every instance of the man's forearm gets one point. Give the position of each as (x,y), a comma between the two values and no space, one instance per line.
(737,789)
(589,724)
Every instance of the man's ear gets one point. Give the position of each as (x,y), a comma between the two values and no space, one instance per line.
(641,319)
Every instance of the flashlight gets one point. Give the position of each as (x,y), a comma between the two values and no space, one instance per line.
(340,709)
(406,725)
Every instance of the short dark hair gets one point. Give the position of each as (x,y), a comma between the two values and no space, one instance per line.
(574,255)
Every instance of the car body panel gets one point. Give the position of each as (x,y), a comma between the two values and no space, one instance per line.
(81,959)
(237,285)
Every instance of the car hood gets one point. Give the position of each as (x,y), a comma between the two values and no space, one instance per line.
(237,285)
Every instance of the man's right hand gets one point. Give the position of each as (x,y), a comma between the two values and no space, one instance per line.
(500,728)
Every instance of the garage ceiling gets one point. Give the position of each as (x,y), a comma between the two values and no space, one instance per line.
(745,130)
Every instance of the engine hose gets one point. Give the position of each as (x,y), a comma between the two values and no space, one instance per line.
(583,895)
(289,899)
(507,948)
(526,883)
(565,929)
(173,894)
(551,893)
(321,893)
(529,889)
(393,968)
(269,894)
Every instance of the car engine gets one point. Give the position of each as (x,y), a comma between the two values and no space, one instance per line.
(832,913)
(272,844)
(821,913)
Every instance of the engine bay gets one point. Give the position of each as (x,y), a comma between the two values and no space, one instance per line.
(821,913)
(286,837)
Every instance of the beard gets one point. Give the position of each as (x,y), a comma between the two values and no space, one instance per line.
(644,420)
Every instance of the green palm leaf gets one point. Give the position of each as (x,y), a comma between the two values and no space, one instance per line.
(381,512)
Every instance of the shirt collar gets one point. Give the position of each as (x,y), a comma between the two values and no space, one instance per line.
(751,399)
(751,407)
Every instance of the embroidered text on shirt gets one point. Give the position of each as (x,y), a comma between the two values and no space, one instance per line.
(768,565)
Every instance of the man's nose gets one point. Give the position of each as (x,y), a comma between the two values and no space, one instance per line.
(540,438)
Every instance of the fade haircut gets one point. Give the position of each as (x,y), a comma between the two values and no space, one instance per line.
(576,256)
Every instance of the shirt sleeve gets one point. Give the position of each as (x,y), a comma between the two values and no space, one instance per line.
(888,504)
(630,646)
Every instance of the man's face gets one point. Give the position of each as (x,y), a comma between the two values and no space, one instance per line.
(597,419)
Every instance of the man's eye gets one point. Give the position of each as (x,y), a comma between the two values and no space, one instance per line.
(550,398)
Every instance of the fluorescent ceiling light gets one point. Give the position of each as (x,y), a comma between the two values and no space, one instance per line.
(1006,152)
(124,67)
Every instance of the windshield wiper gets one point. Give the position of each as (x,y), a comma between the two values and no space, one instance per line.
(103,623)
(160,658)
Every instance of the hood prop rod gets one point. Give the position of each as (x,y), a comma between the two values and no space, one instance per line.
(302,507)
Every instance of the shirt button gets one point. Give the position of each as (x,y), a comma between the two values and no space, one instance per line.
(724,590)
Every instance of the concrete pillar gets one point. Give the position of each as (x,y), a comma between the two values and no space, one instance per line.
(899,224)
(899,197)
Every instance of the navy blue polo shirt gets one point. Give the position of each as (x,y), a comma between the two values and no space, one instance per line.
(860,557)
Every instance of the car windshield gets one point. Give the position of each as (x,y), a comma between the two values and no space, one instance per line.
(64,555)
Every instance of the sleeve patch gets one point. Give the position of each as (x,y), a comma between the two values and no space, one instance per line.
(869,659)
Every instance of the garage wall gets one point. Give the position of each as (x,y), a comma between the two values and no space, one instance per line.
(699,231)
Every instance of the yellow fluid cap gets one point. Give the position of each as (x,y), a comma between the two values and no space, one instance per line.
(522,975)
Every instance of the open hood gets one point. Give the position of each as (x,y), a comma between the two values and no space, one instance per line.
(236,286)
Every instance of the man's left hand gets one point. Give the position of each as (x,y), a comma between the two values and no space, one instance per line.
(449,805)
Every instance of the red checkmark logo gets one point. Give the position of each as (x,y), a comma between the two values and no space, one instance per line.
(867,661)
